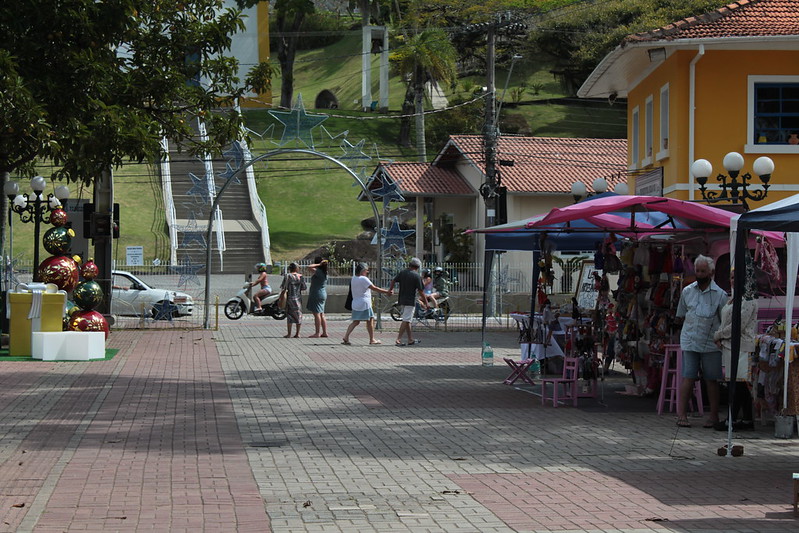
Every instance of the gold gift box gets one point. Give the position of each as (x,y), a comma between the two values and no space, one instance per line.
(21,326)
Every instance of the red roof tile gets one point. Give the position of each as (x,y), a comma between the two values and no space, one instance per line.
(549,164)
(746,18)
(416,179)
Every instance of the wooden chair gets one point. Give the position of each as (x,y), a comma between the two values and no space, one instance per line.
(671,379)
(568,381)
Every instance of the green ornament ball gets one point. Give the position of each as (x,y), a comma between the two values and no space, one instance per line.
(88,294)
(57,241)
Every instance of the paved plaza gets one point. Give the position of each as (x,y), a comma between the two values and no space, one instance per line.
(243,430)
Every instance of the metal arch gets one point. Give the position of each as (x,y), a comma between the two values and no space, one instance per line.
(264,157)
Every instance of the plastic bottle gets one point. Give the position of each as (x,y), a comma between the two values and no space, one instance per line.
(535,370)
(488,355)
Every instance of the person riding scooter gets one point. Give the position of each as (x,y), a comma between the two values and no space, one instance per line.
(440,284)
(265,289)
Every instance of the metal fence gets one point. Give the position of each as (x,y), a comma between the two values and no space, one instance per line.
(466,289)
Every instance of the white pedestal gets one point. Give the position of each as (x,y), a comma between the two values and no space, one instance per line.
(68,345)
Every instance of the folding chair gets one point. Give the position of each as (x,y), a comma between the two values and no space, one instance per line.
(519,370)
(568,380)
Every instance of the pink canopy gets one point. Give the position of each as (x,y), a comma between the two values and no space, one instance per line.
(604,213)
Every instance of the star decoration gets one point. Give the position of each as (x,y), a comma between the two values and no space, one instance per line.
(235,154)
(394,236)
(199,188)
(188,271)
(298,124)
(353,155)
(192,233)
(228,173)
(389,190)
(164,310)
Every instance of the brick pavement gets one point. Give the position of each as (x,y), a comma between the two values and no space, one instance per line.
(243,430)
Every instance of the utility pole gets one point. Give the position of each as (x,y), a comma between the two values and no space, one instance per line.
(488,189)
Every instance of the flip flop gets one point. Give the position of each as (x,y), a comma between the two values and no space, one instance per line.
(415,341)
(399,344)
(346,343)
(710,424)
(683,423)
(377,342)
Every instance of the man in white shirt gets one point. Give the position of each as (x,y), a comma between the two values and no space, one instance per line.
(700,309)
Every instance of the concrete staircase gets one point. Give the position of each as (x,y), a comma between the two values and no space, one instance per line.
(243,245)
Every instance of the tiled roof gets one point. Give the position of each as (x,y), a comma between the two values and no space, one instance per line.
(416,179)
(746,18)
(549,164)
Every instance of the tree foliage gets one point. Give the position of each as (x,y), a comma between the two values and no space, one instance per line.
(580,35)
(426,56)
(91,84)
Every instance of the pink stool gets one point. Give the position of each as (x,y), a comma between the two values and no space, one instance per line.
(671,379)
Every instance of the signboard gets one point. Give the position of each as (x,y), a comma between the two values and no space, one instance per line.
(134,255)
(650,183)
(587,293)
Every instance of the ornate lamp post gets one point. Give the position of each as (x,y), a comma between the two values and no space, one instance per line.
(732,189)
(35,209)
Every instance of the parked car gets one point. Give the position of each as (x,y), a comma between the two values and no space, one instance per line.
(129,295)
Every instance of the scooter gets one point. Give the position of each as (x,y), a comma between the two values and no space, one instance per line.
(240,305)
(439,314)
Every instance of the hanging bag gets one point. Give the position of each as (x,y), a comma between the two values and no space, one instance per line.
(281,300)
(348,301)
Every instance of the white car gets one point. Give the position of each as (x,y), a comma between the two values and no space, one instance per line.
(130,296)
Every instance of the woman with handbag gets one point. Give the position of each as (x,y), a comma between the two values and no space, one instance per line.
(362,287)
(293,285)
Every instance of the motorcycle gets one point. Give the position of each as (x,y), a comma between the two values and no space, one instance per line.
(439,314)
(240,305)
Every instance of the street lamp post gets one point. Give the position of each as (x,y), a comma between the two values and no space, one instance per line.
(732,189)
(35,209)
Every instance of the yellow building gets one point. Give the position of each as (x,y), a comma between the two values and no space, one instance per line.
(251,46)
(725,81)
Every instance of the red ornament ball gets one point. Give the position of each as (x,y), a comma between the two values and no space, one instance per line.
(88,321)
(89,270)
(58,217)
(61,270)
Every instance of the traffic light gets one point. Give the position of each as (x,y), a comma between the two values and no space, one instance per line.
(100,225)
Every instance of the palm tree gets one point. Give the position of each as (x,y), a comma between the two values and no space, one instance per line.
(427,56)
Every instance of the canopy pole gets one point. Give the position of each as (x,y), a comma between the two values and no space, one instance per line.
(488,263)
(739,283)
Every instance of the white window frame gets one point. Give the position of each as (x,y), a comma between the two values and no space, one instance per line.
(649,131)
(750,147)
(663,152)
(635,133)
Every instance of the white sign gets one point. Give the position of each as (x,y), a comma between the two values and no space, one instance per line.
(134,255)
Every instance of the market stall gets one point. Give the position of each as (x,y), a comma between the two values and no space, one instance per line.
(648,241)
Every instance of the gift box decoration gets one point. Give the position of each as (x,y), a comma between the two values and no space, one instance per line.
(34,307)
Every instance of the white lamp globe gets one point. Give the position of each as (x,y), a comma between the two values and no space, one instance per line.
(579,189)
(622,189)
(38,184)
(733,162)
(600,185)
(701,168)
(763,166)
(11,189)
